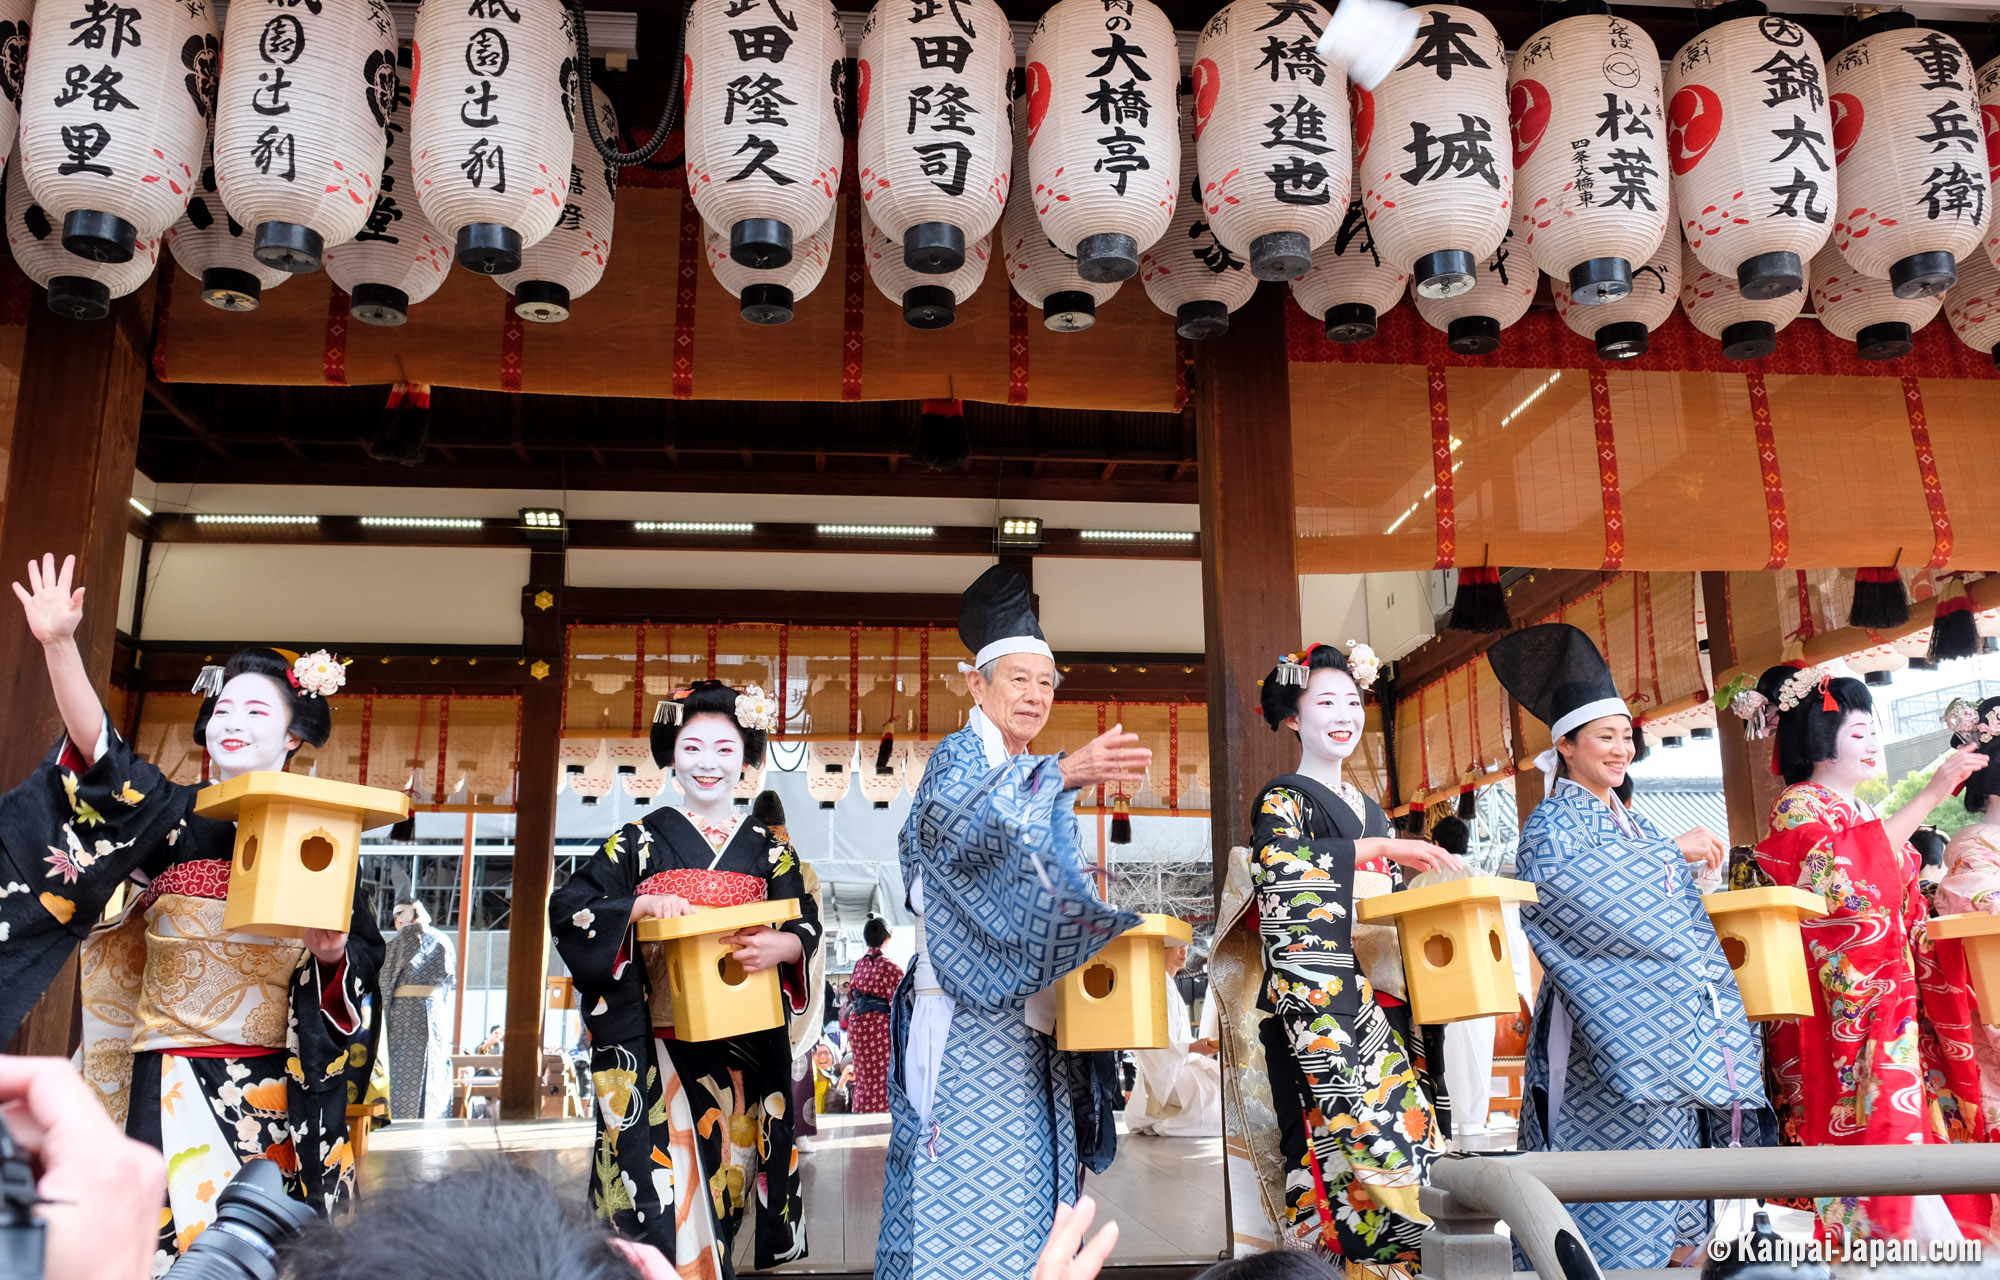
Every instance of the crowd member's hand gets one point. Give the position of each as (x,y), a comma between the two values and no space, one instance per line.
(1207,1047)
(1703,846)
(1952,772)
(761,947)
(328,946)
(661,906)
(1061,1258)
(1415,855)
(104,1190)
(1112,756)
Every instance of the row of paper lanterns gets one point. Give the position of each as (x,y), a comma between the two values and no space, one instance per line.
(310,144)
(1770,159)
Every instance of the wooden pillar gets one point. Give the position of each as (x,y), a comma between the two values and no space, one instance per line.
(1748,789)
(1249,573)
(1528,783)
(69,474)
(534,837)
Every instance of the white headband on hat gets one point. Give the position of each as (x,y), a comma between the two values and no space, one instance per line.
(1001,648)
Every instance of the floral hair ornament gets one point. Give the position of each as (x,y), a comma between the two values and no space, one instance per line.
(318,674)
(1362,664)
(1961,716)
(756,710)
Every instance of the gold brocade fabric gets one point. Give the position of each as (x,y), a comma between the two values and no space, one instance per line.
(1249,1122)
(171,977)
(1378,948)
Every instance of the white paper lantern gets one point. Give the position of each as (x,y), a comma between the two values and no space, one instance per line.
(1190,274)
(1910,150)
(569,261)
(115,107)
(1621,329)
(216,249)
(1988,80)
(1751,144)
(1042,274)
(15,21)
(1590,150)
(771,297)
(398,258)
(491,124)
(932,143)
(763,133)
(1104,159)
(1865,310)
(79,288)
(1435,177)
(1349,286)
(1473,319)
(1747,328)
(307,90)
(1271,127)
(1973,306)
(928,301)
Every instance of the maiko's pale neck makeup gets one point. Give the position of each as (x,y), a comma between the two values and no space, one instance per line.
(1329,722)
(250,729)
(708,763)
(1600,754)
(1857,756)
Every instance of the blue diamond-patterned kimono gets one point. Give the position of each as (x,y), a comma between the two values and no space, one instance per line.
(996,872)
(1639,1039)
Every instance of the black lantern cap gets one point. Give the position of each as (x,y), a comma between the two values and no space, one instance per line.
(1749,340)
(1201,319)
(1280,255)
(1350,322)
(288,246)
(1107,258)
(929,306)
(543,301)
(1069,311)
(766,304)
(79,298)
(934,248)
(227,289)
(1473,335)
(379,304)
(489,249)
(100,237)
(761,244)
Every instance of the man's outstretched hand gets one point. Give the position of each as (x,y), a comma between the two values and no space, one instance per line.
(1112,756)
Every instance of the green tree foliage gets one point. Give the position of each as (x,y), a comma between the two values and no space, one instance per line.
(1947,817)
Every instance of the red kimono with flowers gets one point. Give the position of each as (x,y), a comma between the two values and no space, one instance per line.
(1887,1054)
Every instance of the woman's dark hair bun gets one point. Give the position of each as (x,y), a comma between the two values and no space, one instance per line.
(1810,732)
(1280,702)
(705,698)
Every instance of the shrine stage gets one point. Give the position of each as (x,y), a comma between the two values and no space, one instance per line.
(1164,1193)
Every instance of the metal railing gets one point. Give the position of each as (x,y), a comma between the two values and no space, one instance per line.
(1470,1195)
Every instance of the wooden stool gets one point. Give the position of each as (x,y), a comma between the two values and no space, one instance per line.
(1455,959)
(298,845)
(1119,999)
(1759,932)
(714,999)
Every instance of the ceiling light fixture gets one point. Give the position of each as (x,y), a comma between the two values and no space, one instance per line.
(140,507)
(234,517)
(542,522)
(422,522)
(693,526)
(1020,531)
(875,530)
(1137,535)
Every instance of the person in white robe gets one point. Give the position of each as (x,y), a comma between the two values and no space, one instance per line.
(1179,1090)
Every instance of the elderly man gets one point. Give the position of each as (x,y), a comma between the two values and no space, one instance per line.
(990,1122)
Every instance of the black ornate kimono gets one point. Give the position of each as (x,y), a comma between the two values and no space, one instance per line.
(687,1130)
(212,1045)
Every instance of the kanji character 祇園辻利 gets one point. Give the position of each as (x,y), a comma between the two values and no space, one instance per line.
(478,113)
(484,159)
(282,40)
(273,145)
(1441,46)
(1468,153)
(491,10)
(486,52)
(269,98)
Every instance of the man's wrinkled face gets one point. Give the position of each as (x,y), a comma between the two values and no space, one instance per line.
(1019,697)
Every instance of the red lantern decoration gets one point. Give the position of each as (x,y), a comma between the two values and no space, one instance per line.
(1349,286)
(1973,306)
(1190,274)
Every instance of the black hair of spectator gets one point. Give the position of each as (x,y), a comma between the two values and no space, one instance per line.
(1278,1264)
(875,932)
(1451,835)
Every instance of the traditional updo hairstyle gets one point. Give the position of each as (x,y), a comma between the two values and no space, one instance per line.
(1280,701)
(1810,731)
(703,698)
(1985,784)
(875,932)
(311,717)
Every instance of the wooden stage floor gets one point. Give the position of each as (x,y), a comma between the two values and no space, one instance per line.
(1165,1193)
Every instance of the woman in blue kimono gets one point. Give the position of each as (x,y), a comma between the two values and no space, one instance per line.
(1639,1039)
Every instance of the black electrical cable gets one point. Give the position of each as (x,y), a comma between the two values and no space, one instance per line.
(612,155)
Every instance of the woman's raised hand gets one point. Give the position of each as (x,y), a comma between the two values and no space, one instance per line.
(1415,855)
(53,609)
(1703,846)
(660,906)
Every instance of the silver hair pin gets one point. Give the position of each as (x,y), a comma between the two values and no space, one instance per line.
(209,683)
(668,712)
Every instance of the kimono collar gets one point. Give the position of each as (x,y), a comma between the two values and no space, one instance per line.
(1619,814)
(989,738)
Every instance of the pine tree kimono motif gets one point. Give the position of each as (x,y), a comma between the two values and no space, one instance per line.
(688,1131)
(1887,1055)
(1358,1104)
(1008,910)
(1639,1039)
(213,1045)
(419,1047)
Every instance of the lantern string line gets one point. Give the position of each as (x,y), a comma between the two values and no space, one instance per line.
(624,159)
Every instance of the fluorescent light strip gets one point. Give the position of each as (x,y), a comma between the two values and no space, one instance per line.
(140,507)
(1532,397)
(1136,535)
(876,530)
(693,526)
(227,517)
(422,522)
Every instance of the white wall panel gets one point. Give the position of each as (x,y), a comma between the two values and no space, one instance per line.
(1120,606)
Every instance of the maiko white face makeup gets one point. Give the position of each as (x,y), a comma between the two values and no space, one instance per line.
(250,728)
(1857,752)
(1330,716)
(708,760)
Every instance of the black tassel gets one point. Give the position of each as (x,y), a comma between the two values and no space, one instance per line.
(1481,603)
(886,753)
(1955,630)
(404,832)
(1121,822)
(943,443)
(404,434)
(1880,602)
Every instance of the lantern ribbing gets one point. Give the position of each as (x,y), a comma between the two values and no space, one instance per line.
(1747,328)
(398,258)
(1621,329)
(1190,274)
(569,261)
(1473,319)
(1045,278)
(218,251)
(79,288)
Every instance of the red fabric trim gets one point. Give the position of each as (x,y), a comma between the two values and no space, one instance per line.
(1540,340)
(1423,740)
(686,278)
(854,680)
(639,683)
(924,685)
(333,360)
(706,888)
(1808,627)
(855,284)
(333,1001)
(1174,758)
(202,878)
(163,310)
(513,344)
(1017,348)
(367,727)
(1607,472)
(444,736)
(1447,513)
(1645,586)
(1450,739)
(1767,459)
(223,1051)
(714,638)
(1920,436)
(784,666)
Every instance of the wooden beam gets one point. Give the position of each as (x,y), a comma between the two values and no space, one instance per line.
(1528,783)
(1249,578)
(1748,788)
(534,842)
(82,393)
(1529,603)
